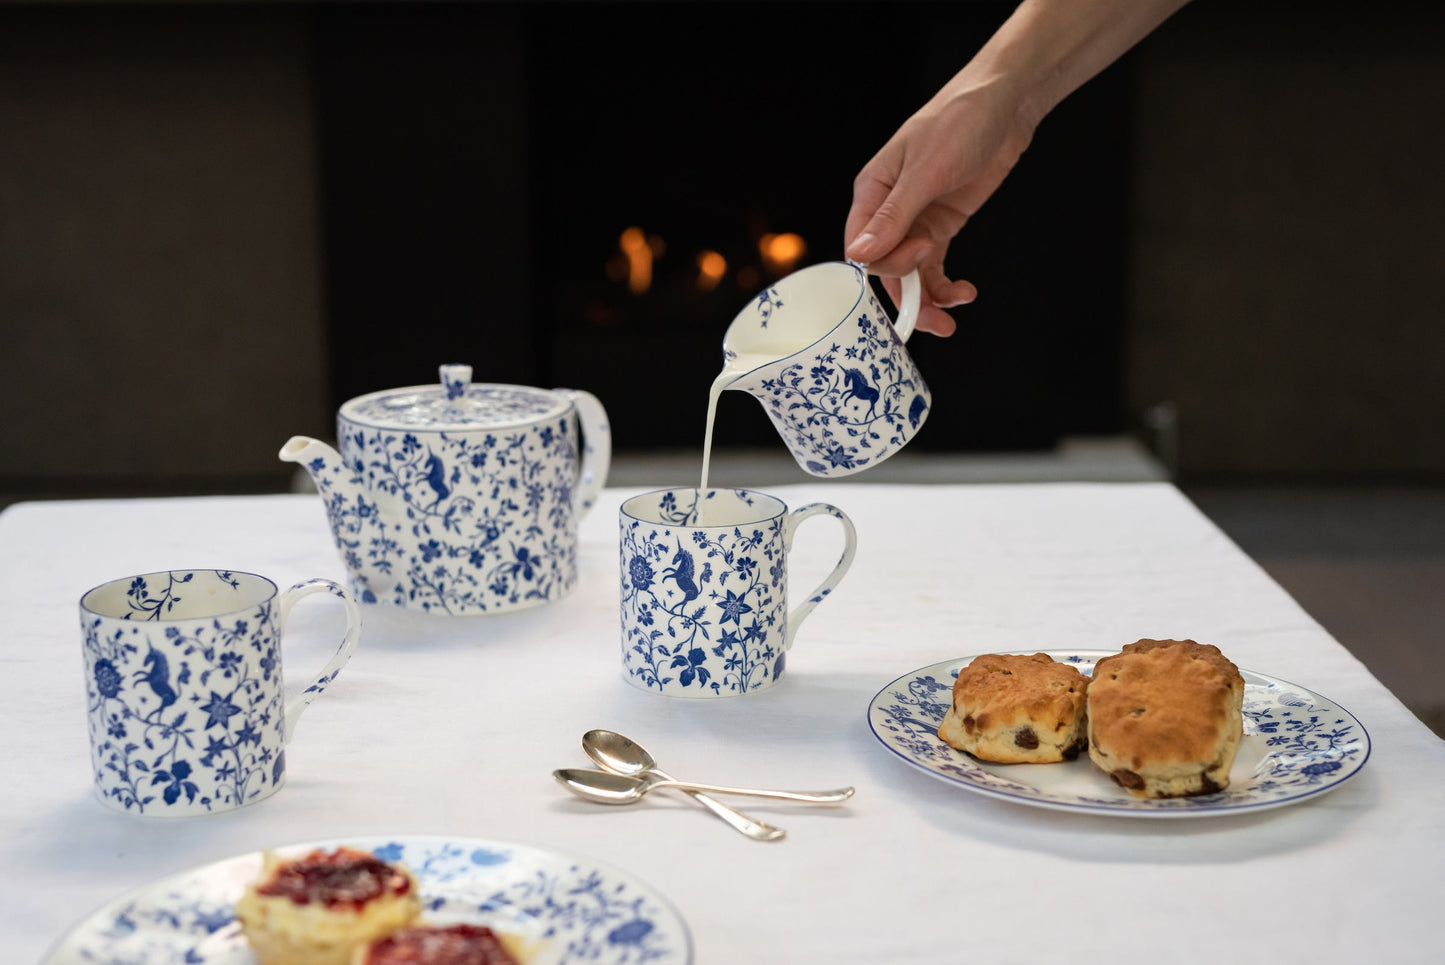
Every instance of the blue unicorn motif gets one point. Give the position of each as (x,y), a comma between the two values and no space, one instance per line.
(858,388)
(157,677)
(436,477)
(681,573)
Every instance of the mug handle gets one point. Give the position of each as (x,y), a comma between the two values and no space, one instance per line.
(850,545)
(596,448)
(911,303)
(301,701)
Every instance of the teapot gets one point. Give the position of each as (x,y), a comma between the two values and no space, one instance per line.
(460,498)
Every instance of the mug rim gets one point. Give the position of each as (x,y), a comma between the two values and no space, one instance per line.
(863,289)
(274,592)
(782,507)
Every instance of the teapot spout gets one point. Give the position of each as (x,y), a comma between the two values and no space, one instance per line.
(320,460)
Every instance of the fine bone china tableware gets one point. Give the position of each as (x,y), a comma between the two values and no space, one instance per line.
(704,579)
(1297,745)
(184,687)
(460,498)
(569,907)
(605,787)
(622,755)
(817,350)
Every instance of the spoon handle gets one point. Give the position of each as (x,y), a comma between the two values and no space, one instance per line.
(807,797)
(751,827)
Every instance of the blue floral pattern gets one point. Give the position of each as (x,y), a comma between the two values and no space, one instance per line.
(1310,745)
(186,715)
(575,909)
(459,498)
(848,401)
(466,522)
(704,607)
(699,606)
(184,711)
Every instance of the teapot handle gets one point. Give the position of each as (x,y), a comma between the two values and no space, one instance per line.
(596,448)
(911,303)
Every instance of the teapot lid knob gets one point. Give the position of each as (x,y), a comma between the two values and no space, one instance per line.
(455,379)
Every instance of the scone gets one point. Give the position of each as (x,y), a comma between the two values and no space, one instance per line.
(461,944)
(1165,718)
(1016,709)
(317,909)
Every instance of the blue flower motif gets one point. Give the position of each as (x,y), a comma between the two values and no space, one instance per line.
(430,550)
(213,920)
(733,608)
(176,783)
(388,852)
(486,858)
(1320,767)
(641,573)
(107,678)
(632,933)
(524,564)
(219,711)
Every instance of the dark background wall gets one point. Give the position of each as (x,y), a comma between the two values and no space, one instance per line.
(218,221)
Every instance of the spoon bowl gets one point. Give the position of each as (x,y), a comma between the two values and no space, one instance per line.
(613,752)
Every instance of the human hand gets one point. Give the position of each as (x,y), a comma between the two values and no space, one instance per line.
(934,174)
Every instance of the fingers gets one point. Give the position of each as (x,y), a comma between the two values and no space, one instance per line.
(935,321)
(939,294)
(945,293)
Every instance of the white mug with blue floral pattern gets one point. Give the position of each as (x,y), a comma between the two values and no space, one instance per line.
(184,688)
(818,351)
(460,498)
(705,589)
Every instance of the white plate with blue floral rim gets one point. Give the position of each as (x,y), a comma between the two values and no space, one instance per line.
(566,908)
(1297,745)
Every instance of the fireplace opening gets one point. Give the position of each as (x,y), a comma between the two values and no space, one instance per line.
(585,194)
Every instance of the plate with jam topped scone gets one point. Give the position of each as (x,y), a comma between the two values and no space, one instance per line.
(417,900)
(1158,728)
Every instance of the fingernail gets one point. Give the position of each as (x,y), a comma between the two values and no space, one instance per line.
(862,247)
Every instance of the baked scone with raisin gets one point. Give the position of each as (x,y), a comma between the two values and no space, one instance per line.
(1016,709)
(460,944)
(1165,718)
(317,909)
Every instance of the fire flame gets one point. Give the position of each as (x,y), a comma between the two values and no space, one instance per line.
(639,250)
(711,267)
(781,252)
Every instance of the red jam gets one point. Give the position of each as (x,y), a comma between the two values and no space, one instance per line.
(343,877)
(452,945)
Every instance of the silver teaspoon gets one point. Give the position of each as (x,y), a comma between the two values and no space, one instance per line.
(622,755)
(604,787)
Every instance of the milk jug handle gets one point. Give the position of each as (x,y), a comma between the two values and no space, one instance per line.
(596,448)
(850,546)
(911,302)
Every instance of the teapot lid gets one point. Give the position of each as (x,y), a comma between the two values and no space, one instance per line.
(456,404)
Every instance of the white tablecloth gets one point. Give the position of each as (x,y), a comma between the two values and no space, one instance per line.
(453,725)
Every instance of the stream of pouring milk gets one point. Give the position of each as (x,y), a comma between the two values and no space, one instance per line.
(734,367)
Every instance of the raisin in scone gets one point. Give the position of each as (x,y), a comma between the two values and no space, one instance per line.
(1165,718)
(317,909)
(1016,709)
